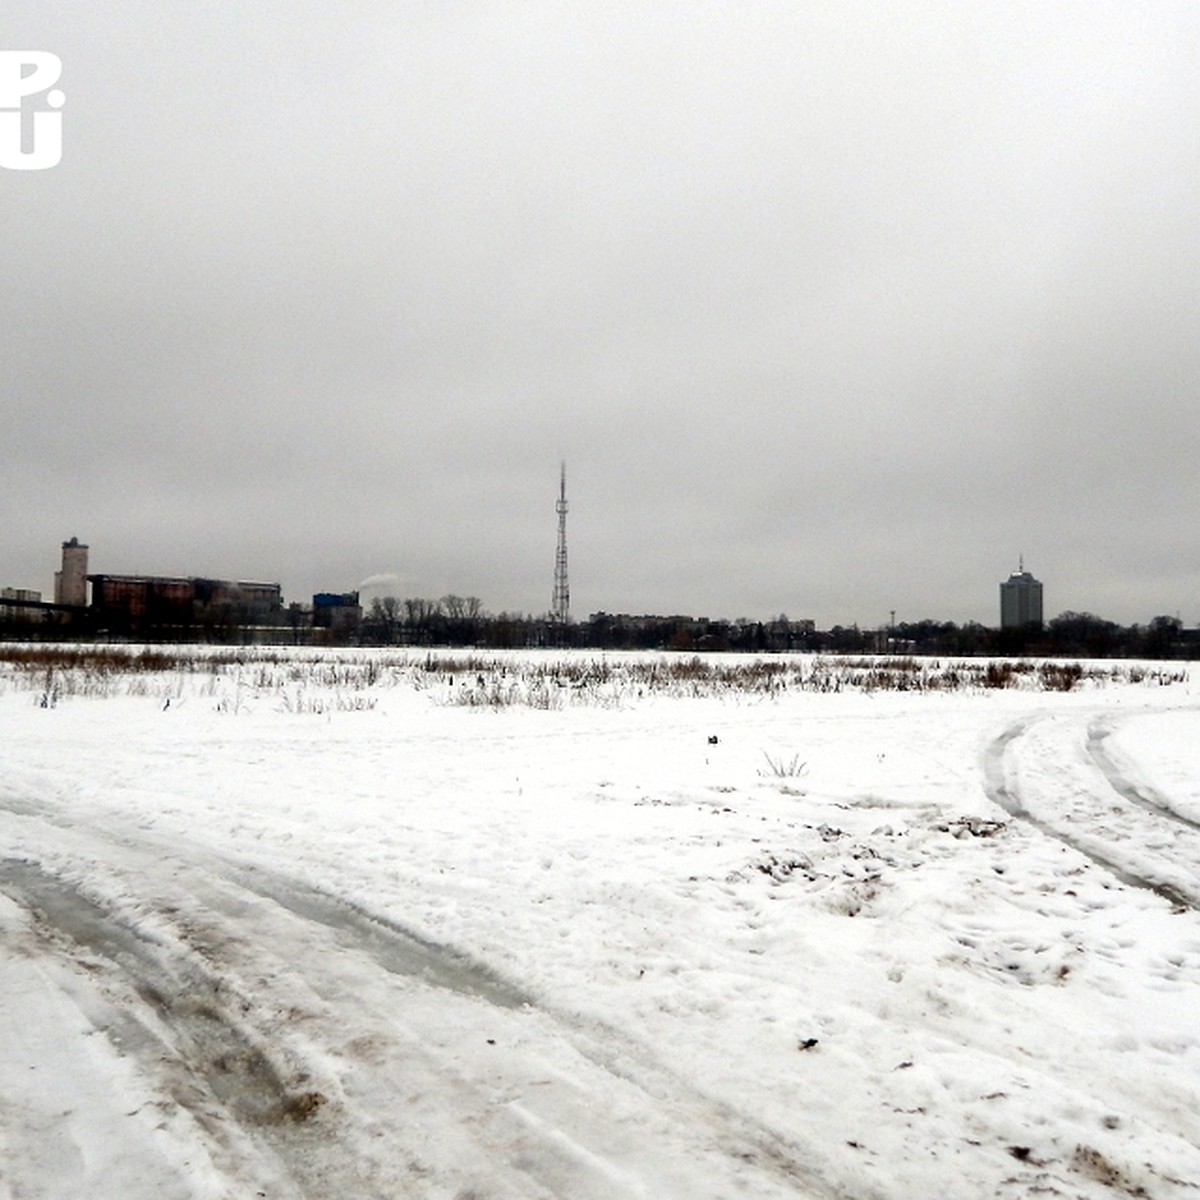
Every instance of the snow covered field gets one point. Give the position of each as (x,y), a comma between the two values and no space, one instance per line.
(350,925)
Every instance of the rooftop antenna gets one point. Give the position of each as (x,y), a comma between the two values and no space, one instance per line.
(560,605)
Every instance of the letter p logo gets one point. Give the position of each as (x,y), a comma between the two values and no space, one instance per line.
(25,73)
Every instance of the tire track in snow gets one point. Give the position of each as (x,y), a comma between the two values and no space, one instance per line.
(182,1026)
(1139,794)
(606,1047)
(397,950)
(999,789)
(214,1030)
(215,1048)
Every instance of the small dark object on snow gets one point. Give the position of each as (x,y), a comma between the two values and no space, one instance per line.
(304,1106)
(807,1044)
(1021,1152)
(979,827)
(713,739)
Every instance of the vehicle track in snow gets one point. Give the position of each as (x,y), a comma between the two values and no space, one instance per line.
(225,981)
(1001,789)
(1141,794)
(188,1025)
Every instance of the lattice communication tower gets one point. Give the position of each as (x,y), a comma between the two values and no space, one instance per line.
(560,606)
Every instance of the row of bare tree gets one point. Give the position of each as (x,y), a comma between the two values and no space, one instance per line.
(462,620)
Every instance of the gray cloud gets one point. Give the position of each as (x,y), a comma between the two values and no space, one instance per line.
(831,309)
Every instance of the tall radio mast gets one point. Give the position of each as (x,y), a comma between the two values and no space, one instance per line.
(560,606)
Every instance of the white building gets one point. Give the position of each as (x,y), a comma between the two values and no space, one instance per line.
(70,584)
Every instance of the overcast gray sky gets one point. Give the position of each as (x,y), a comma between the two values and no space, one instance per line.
(831,308)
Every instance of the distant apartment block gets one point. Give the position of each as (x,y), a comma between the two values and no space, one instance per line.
(1020,600)
(23,609)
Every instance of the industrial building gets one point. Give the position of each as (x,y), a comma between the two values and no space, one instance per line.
(155,605)
(70,584)
(173,608)
(150,604)
(1020,600)
(336,616)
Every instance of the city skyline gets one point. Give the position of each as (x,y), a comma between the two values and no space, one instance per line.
(833,311)
(1020,607)
(380,586)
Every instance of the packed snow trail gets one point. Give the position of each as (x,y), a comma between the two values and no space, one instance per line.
(1072,798)
(1099,733)
(229,986)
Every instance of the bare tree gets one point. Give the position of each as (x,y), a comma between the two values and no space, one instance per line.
(419,616)
(383,619)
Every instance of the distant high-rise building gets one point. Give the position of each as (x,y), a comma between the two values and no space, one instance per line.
(70,584)
(1020,600)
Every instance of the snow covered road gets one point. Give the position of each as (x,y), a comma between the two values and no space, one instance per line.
(304,1046)
(863,945)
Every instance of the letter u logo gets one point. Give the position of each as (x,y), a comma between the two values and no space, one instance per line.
(15,85)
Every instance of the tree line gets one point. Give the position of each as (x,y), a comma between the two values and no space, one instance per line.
(462,621)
